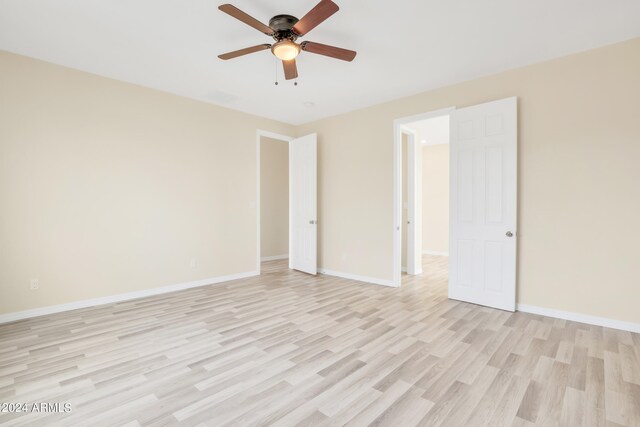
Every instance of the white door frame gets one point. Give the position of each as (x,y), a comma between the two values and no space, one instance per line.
(398,130)
(284,138)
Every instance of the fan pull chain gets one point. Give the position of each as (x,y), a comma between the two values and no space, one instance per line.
(276,70)
(295,83)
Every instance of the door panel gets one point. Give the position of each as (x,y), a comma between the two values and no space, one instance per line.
(482,261)
(303,204)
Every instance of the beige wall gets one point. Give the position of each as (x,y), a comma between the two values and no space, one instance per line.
(579,148)
(107,187)
(274,197)
(435,198)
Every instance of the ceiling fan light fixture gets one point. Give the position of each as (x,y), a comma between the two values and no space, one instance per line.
(285,50)
(285,30)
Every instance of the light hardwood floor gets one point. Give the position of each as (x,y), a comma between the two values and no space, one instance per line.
(290,349)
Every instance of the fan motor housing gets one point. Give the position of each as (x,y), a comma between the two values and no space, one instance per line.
(282,22)
(282,25)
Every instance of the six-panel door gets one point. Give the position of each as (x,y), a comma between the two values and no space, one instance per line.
(483,202)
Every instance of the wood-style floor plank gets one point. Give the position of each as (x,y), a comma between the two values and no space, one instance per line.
(286,348)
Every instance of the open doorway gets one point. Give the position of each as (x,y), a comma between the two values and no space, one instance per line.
(287,200)
(482,193)
(273,191)
(422,191)
(433,185)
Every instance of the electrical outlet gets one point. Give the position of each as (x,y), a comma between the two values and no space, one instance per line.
(34,284)
(193,263)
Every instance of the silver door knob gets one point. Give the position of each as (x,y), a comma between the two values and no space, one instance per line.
(509,234)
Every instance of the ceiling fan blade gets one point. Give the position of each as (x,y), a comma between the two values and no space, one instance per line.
(290,69)
(245,51)
(326,50)
(315,16)
(249,20)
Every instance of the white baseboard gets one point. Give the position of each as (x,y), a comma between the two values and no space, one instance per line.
(274,257)
(417,273)
(427,252)
(43,311)
(582,318)
(373,280)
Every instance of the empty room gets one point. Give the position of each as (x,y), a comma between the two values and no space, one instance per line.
(319,213)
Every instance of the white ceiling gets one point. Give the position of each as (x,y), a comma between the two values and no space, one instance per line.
(172,45)
(434,131)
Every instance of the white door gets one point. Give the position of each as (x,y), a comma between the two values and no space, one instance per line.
(483,201)
(303,232)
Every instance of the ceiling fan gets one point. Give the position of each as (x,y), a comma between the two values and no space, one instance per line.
(285,30)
